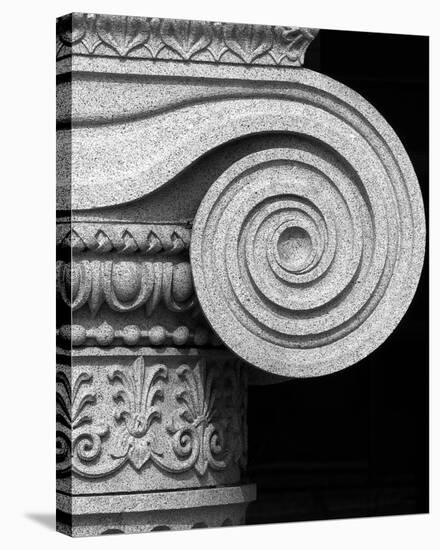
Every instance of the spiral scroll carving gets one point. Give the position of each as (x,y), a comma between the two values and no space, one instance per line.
(304,261)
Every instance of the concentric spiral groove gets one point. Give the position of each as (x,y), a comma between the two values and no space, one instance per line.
(295,254)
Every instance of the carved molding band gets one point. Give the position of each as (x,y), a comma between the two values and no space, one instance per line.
(181,40)
(123,238)
(125,286)
(131,523)
(134,335)
(142,420)
(158,511)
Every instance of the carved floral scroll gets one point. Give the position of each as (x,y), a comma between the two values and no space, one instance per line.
(173,417)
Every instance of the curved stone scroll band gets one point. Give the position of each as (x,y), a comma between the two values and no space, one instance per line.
(305,259)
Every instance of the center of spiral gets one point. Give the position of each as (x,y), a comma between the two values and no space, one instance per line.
(295,248)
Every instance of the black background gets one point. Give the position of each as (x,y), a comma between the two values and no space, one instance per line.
(355,443)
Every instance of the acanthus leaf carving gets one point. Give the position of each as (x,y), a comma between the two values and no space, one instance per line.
(217,47)
(291,43)
(198,435)
(72,29)
(78,28)
(155,43)
(248,42)
(137,410)
(182,40)
(186,38)
(123,34)
(78,436)
(173,418)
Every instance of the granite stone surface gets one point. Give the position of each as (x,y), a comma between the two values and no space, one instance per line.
(150,421)
(149,512)
(224,216)
(305,259)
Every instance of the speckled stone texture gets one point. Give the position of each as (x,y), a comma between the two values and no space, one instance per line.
(224,215)
(145,512)
(149,421)
(305,259)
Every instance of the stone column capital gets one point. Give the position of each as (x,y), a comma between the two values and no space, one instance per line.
(220,207)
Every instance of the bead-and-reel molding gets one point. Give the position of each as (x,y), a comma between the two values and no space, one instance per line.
(306,258)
